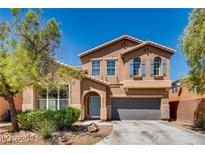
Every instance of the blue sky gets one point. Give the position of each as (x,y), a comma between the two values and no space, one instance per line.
(83,29)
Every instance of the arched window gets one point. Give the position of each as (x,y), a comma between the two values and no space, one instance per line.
(157,63)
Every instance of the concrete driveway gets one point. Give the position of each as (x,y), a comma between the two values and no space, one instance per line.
(150,132)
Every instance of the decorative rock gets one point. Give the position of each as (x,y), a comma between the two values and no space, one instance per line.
(92,128)
(68,142)
(63,139)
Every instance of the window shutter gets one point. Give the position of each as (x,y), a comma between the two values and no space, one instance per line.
(131,67)
(164,67)
(152,67)
(143,68)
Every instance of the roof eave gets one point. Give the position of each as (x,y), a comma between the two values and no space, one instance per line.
(97,80)
(172,51)
(110,42)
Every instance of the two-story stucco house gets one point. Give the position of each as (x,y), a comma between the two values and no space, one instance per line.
(126,78)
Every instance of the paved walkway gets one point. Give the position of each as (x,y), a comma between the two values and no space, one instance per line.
(2,125)
(98,122)
(151,132)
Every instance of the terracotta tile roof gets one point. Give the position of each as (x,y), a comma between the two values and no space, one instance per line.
(86,76)
(149,43)
(76,67)
(97,80)
(111,42)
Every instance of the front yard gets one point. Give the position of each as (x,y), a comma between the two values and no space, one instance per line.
(190,127)
(78,134)
(54,127)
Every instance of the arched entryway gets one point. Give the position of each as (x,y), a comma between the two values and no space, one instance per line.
(92,102)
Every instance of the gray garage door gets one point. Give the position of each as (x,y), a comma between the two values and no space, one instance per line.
(135,109)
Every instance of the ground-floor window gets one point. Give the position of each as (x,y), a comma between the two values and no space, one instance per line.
(54,99)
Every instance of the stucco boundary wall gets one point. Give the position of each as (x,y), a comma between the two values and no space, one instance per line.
(188,110)
(4,106)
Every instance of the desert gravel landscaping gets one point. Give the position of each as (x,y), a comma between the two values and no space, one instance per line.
(77,135)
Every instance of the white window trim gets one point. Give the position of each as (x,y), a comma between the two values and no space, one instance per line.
(159,73)
(114,67)
(92,67)
(140,73)
(69,95)
(58,99)
(159,68)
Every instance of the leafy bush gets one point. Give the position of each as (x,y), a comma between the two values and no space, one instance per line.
(45,128)
(23,119)
(201,121)
(28,119)
(66,117)
(61,118)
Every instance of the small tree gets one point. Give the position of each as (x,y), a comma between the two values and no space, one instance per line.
(193,47)
(27,50)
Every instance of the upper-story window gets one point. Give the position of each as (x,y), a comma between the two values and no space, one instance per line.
(54,99)
(110,67)
(95,67)
(136,67)
(157,63)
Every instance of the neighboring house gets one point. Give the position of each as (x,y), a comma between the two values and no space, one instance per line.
(4,107)
(126,78)
(185,105)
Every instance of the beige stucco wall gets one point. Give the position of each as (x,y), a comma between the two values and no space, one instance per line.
(186,105)
(112,51)
(117,84)
(148,56)
(122,63)
(183,94)
(79,89)
(88,86)
(77,92)
(121,92)
(165,111)
(4,106)
(29,98)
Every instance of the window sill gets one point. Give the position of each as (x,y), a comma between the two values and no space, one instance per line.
(95,76)
(137,77)
(158,77)
(110,76)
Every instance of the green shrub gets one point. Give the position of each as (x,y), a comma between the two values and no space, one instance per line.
(40,115)
(24,121)
(45,128)
(28,119)
(201,121)
(61,118)
(66,117)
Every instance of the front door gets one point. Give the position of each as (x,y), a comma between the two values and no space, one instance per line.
(94,105)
